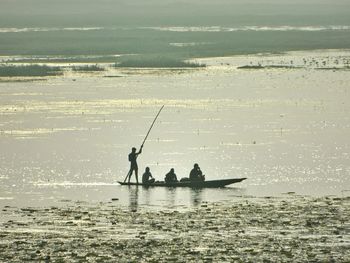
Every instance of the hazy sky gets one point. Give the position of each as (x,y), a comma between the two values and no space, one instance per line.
(83,6)
(27,11)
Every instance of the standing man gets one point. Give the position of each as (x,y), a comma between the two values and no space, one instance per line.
(133,164)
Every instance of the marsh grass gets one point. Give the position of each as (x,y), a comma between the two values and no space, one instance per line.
(63,59)
(268,67)
(89,68)
(29,71)
(251,67)
(155,62)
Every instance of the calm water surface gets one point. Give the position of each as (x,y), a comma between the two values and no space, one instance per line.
(286,130)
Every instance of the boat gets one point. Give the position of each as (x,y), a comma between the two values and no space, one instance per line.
(193,184)
(185,183)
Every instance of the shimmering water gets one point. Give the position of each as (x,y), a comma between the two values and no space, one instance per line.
(286,130)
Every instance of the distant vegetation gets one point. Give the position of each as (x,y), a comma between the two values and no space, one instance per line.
(155,62)
(64,59)
(324,63)
(28,71)
(251,67)
(268,67)
(87,68)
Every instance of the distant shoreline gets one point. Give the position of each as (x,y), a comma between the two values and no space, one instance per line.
(45,66)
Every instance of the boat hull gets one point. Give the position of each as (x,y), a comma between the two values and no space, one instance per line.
(193,184)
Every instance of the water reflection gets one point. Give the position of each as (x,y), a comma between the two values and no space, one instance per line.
(171,196)
(133,198)
(196,196)
(146,195)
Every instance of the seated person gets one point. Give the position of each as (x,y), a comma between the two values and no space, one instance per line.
(196,174)
(146,177)
(170,177)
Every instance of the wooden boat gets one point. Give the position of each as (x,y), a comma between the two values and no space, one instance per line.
(193,184)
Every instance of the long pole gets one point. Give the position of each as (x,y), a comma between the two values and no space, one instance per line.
(151,126)
(147,135)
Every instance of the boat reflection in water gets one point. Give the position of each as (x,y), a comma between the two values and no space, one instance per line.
(133,198)
(196,196)
(170,197)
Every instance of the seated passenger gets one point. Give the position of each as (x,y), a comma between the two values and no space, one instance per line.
(146,177)
(196,174)
(170,177)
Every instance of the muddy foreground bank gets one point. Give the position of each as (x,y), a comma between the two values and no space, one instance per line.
(289,229)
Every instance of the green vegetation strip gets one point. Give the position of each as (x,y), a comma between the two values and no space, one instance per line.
(87,68)
(140,61)
(28,71)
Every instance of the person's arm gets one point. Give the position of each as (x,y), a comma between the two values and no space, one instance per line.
(140,151)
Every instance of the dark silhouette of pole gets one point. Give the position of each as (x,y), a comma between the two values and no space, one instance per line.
(151,126)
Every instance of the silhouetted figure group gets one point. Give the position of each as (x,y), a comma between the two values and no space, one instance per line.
(147,178)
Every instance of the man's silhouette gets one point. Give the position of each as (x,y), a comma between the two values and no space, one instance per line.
(147,177)
(196,173)
(133,164)
(170,177)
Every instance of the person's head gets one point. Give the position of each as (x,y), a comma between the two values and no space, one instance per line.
(147,169)
(172,170)
(196,166)
(133,149)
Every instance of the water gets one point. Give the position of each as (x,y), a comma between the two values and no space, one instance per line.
(286,130)
(284,126)
(158,41)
